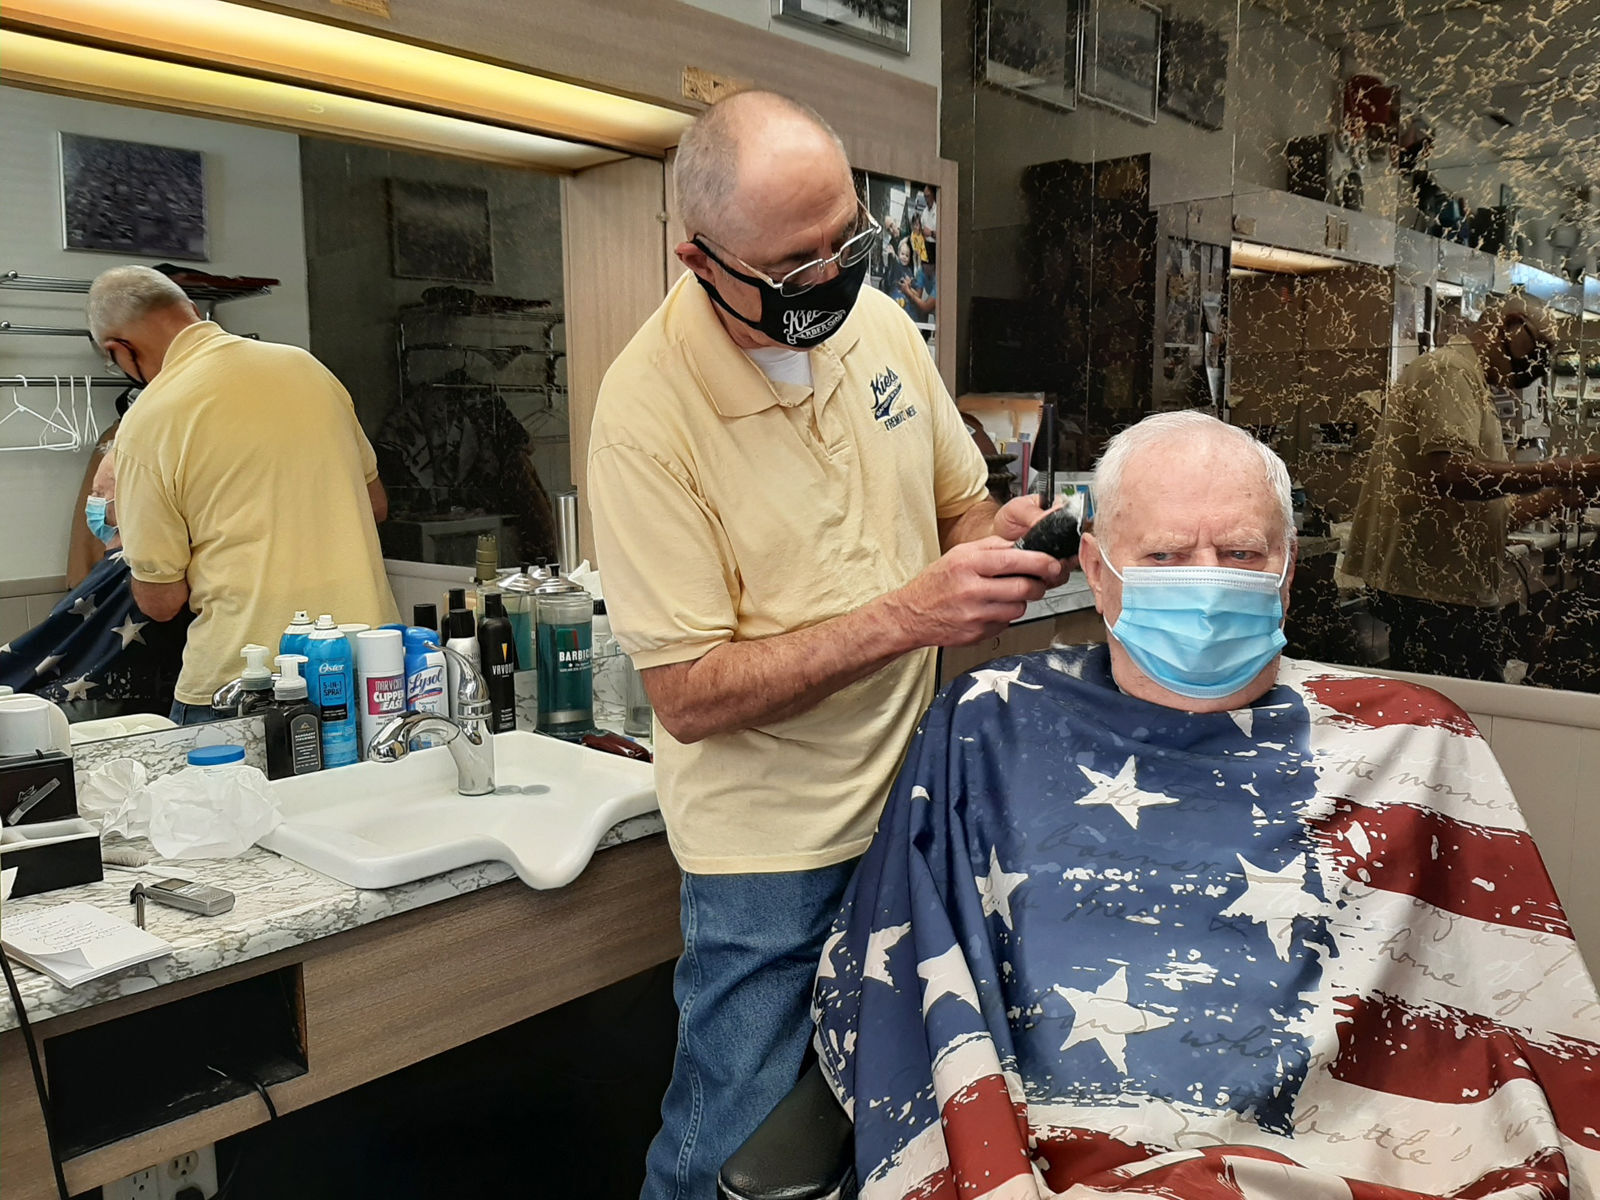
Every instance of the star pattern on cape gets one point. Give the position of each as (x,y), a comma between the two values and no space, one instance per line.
(1000,683)
(1105,1017)
(995,888)
(85,607)
(129,631)
(46,665)
(79,688)
(1275,899)
(946,975)
(879,943)
(825,963)
(1122,792)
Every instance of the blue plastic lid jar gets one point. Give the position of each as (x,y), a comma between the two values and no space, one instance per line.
(215,756)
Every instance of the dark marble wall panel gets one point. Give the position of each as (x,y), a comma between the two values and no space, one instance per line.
(440,308)
(1328,193)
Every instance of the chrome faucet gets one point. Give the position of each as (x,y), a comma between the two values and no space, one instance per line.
(226,698)
(467,735)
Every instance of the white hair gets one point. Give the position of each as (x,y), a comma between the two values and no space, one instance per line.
(123,296)
(706,169)
(1188,425)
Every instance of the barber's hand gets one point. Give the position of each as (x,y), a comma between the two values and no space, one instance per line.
(1018,516)
(974,591)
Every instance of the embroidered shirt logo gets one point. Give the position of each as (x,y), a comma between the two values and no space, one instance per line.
(886,389)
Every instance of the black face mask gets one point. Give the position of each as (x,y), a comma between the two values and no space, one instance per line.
(800,321)
(1525,372)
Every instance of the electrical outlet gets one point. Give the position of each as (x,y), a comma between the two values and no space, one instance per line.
(141,1185)
(189,1173)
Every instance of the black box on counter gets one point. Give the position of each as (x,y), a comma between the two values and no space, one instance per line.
(50,854)
(37,787)
(41,835)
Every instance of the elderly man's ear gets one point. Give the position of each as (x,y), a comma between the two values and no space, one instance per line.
(1093,566)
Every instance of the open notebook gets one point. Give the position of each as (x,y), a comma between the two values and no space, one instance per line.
(75,942)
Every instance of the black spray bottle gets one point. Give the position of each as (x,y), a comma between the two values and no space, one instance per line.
(497,653)
(294,726)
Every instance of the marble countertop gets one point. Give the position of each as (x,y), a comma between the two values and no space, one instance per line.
(278,904)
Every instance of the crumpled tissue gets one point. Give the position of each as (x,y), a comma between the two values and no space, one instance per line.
(114,795)
(216,812)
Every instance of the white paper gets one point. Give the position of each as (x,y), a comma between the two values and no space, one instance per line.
(77,941)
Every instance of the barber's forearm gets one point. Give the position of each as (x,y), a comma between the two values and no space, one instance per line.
(1478,479)
(160,601)
(740,685)
(977,522)
(1534,505)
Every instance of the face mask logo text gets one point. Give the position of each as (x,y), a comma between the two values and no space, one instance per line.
(808,325)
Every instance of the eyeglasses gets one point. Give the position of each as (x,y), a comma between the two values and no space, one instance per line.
(802,279)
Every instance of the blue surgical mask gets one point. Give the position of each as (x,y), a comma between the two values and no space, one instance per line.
(94,511)
(1202,632)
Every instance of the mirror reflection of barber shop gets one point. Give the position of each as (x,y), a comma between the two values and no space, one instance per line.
(800,598)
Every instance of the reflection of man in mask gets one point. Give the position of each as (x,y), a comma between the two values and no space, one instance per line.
(1430,528)
(790,516)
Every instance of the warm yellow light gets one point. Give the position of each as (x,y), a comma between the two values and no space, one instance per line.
(152,83)
(237,37)
(1258,257)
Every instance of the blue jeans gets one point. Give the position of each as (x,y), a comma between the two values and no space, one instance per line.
(192,714)
(743,988)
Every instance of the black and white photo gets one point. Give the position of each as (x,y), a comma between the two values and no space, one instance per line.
(885,24)
(1030,47)
(133,198)
(440,231)
(1122,56)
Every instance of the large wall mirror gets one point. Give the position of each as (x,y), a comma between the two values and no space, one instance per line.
(1272,210)
(430,286)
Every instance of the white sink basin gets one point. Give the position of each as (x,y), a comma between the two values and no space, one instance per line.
(375,825)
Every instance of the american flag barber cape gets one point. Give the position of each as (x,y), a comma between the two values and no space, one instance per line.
(1305,949)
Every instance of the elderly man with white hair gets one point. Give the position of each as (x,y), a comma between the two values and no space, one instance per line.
(1177,916)
(245,487)
(789,517)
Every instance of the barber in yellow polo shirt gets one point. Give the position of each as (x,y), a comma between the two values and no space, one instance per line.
(245,487)
(790,518)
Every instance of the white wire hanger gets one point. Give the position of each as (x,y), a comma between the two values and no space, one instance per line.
(63,429)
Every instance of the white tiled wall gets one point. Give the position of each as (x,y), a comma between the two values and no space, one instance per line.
(20,613)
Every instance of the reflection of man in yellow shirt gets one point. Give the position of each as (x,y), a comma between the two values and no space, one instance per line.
(1430,528)
(245,487)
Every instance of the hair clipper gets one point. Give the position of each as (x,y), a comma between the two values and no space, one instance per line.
(1057,533)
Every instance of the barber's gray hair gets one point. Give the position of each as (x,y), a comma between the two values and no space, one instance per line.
(1189,425)
(706,169)
(123,296)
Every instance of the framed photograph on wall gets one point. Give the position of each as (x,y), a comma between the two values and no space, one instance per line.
(1031,47)
(904,263)
(885,24)
(1194,72)
(133,198)
(440,231)
(1122,56)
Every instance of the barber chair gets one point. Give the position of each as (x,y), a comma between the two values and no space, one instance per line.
(804,1150)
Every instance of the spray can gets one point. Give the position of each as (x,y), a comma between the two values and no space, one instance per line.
(497,652)
(332,679)
(380,680)
(566,664)
(425,680)
(294,637)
